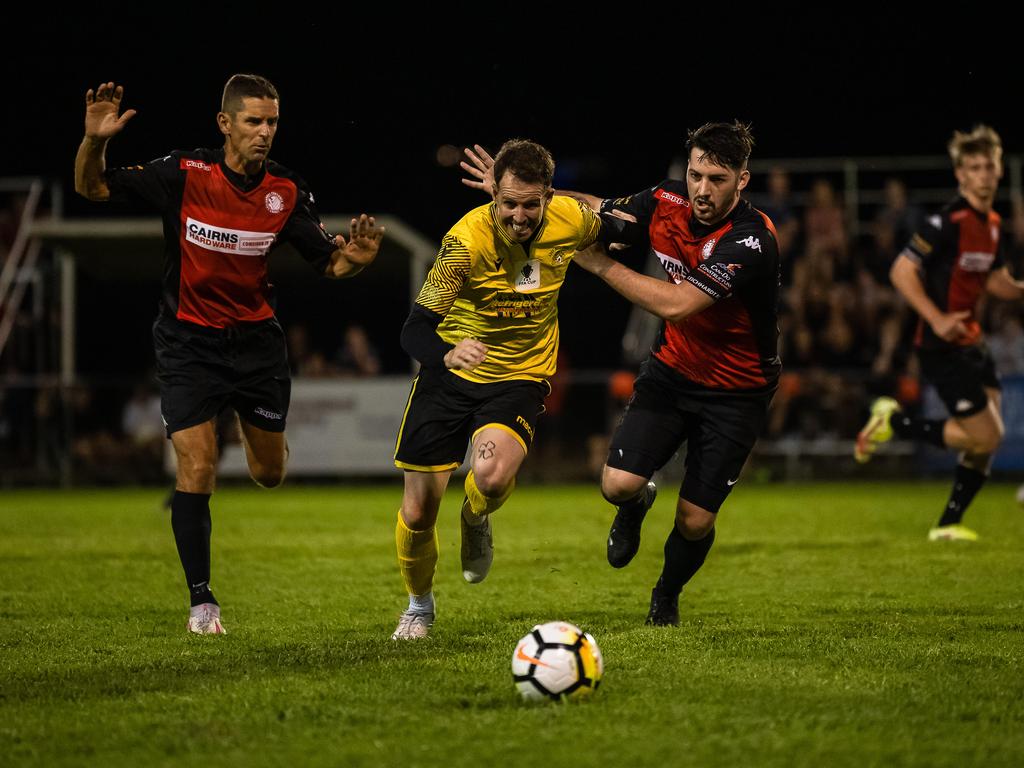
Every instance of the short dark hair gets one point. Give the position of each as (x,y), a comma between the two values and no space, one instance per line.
(725,144)
(526,160)
(982,140)
(240,87)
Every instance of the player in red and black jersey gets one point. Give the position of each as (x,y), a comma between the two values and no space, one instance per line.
(942,273)
(217,341)
(710,378)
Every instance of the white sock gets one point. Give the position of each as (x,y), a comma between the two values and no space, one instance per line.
(422,603)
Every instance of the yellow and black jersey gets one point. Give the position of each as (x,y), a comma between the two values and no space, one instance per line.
(503,293)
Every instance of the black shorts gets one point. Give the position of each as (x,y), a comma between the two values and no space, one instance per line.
(445,412)
(960,376)
(204,370)
(667,410)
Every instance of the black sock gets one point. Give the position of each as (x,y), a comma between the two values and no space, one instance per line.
(966,483)
(683,558)
(928,430)
(190,521)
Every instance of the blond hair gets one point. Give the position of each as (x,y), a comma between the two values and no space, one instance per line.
(982,140)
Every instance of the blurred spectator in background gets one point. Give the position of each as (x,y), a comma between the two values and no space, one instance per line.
(779,208)
(825,231)
(357,356)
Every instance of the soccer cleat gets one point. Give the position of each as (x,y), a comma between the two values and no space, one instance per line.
(955,532)
(204,619)
(664,610)
(878,429)
(413,625)
(624,536)
(477,549)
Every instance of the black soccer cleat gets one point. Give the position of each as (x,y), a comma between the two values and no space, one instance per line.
(664,610)
(624,536)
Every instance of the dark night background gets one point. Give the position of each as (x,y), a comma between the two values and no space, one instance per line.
(367,101)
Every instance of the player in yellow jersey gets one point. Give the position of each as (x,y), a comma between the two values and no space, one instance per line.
(484,329)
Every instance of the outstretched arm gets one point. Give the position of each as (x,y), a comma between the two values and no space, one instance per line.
(102,123)
(361,248)
(666,300)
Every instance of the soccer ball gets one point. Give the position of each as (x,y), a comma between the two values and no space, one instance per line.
(557,660)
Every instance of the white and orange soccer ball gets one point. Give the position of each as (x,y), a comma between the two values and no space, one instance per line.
(557,660)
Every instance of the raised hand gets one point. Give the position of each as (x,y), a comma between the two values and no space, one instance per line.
(360,249)
(102,120)
(480,168)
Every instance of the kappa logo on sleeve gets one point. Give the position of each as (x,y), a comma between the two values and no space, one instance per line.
(751,242)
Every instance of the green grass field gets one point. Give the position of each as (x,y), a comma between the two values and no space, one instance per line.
(823,630)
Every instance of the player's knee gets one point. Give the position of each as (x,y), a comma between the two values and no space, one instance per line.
(618,486)
(196,472)
(693,522)
(987,442)
(418,517)
(491,481)
(267,476)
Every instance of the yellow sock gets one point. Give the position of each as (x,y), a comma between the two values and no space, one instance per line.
(417,557)
(479,504)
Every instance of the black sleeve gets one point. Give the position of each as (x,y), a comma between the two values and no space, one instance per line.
(420,340)
(306,232)
(641,206)
(156,183)
(928,239)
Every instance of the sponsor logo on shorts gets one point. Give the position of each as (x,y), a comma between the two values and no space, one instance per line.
(976,261)
(526,425)
(223,240)
(261,411)
(731,483)
(274,202)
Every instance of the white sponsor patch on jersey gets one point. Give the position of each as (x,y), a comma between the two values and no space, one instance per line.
(528,276)
(935,221)
(963,405)
(708,247)
(675,268)
(222,240)
(976,261)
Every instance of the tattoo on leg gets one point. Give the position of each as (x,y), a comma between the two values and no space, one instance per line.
(486,450)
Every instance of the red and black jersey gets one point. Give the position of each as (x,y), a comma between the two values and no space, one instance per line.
(219,228)
(956,250)
(733,344)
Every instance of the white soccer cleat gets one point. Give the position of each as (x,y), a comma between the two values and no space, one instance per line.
(204,619)
(477,550)
(413,625)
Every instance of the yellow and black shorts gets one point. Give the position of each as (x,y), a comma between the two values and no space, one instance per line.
(445,412)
